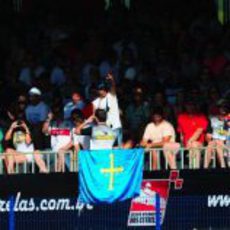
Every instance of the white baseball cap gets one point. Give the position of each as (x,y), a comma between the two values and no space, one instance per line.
(35,91)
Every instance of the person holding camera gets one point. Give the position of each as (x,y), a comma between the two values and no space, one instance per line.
(107,100)
(19,147)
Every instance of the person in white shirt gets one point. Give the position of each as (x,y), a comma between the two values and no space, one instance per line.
(81,132)
(20,148)
(60,135)
(160,134)
(108,101)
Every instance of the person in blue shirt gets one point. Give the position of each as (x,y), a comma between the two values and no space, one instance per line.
(76,103)
(36,114)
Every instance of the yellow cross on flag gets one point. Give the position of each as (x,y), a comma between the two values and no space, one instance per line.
(112,170)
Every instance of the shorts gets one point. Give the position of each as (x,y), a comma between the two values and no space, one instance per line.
(172,147)
(29,157)
(27,151)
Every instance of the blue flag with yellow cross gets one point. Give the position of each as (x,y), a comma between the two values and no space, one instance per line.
(107,176)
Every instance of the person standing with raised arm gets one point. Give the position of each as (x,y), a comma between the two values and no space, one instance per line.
(107,100)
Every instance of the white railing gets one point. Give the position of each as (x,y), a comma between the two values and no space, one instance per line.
(183,161)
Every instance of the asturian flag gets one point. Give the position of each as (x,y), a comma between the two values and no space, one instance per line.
(106,176)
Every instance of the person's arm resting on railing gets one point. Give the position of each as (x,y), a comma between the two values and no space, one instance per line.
(149,144)
(196,135)
(161,143)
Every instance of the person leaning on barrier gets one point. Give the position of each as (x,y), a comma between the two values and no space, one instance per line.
(81,131)
(159,133)
(102,136)
(192,126)
(19,147)
(60,133)
(216,138)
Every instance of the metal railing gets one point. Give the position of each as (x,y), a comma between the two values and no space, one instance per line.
(182,158)
(183,161)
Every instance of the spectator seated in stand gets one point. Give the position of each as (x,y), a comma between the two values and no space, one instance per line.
(192,126)
(137,114)
(167,58)
(159,133)
(81,131)
(17,108)
(216,138)
(20,148)
(60,133)
(75,103)
(36,113)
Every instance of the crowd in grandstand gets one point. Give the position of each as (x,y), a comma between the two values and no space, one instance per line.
(163,85)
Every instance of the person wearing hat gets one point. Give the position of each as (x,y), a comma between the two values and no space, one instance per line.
(36,113)
(107,100)
(37,110)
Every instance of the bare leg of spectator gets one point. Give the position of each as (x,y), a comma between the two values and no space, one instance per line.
(170,158)
(208,154)
(220,153)
(14,157)
(76,151)
(61,157)
(9,160)
(170,150)
(154,159)
(40,162)
(61,160)
(194,155)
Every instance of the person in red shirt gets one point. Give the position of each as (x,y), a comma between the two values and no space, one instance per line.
(192,126)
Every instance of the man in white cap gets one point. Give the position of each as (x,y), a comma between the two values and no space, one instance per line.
(36,114)
(37,110)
